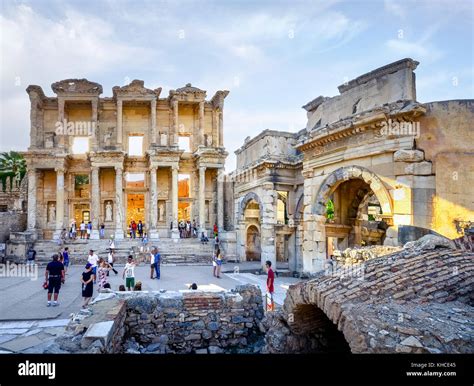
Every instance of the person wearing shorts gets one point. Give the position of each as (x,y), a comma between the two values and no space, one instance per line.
(66,259)
(129,273)
(54,275)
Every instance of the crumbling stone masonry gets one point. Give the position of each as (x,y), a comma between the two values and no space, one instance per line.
(412,301)
(169,322)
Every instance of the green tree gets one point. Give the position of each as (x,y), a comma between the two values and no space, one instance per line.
(13,165)
(330,210)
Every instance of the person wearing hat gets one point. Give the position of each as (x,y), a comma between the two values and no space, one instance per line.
(87,281)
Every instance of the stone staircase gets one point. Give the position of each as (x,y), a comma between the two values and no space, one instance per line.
(173,251)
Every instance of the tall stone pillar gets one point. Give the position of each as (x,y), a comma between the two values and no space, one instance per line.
(32,179)
(119,122)
(201,198)
(201,124)
(95,128)
(118,203)
(153,234)
(174,201)
(220,200)
(95,209)
(59,202)
(221,128)
(61,138)
(174,134)
(153,121)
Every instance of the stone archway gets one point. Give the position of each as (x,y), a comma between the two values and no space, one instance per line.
(347,173)
(251,196)
(321,238)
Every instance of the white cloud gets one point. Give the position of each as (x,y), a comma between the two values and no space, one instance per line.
(394,8)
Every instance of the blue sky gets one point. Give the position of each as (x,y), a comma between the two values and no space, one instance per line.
(273,56)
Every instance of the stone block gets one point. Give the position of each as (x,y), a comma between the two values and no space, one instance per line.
(423,168)
(408,155)
(98,331)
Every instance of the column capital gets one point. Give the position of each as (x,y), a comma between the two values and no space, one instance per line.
(175,168)
(202,168)
(60,170)
(153,169)
(118,168)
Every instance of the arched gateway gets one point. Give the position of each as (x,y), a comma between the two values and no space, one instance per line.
(363,210)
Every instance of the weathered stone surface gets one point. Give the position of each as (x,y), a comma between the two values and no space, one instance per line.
(408,155)
(429,242)
(411,301)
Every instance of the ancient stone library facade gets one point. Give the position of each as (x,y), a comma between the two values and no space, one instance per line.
(132,157)
(373,166)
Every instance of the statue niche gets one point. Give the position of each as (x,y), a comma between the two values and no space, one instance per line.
(51,212)
(108,211)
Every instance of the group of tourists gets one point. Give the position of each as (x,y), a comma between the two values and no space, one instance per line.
(136,228)
(82,232)
(97,271)
(186,229)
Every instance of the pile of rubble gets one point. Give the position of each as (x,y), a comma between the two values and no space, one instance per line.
(360,254)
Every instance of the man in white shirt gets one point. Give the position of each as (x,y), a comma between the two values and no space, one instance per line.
(93,259)
(129,273)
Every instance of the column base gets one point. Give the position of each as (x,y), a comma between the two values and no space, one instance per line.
(175,233)
(118,235)
(153,234)
(57,234)
(95,235)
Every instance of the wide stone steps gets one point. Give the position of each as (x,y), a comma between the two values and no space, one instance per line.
(181,251)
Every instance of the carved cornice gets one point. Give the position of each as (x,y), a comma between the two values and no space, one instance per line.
(136,89)
(218,99)
(368,120)
(76,87)
(315,103)
(35,93)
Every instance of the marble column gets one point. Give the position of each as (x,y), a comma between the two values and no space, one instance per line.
(221,128)
(201,198)
(201,124)
(119,233)
(95,207)
(220,200)
(119,122)
(175,128)
(32,179)
(61,117)
(59,202)
(153,204)
(95,128)
(153,121)
(174,201)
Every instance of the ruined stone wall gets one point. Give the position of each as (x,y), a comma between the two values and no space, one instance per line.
(11,222)
(387,84)
(447,137)
(168,322)
(268,144)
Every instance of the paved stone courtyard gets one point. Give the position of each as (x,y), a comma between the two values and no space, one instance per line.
(28,326)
